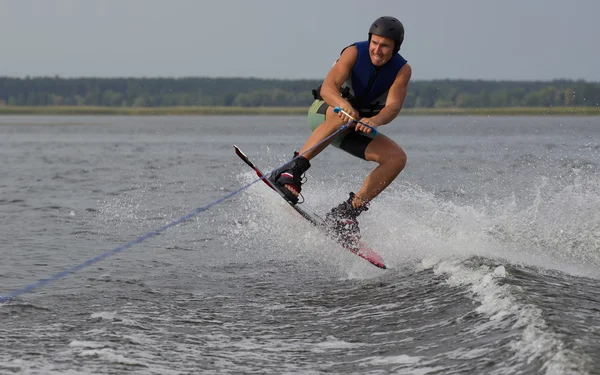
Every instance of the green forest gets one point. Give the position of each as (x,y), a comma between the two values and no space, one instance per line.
(255,92)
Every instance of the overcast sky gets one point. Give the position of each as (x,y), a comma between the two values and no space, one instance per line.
(470,39)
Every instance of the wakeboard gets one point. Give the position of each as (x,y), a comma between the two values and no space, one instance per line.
(363,250)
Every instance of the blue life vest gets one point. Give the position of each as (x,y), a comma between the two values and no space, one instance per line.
(367,86)
(368,81)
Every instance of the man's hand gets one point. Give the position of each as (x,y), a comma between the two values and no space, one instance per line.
(350,111)
(365,129)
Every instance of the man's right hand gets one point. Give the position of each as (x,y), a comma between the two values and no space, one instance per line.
(346,107)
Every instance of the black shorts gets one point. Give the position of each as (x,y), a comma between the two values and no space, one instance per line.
(353,142)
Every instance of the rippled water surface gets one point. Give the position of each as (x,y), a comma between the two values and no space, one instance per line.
(492,233)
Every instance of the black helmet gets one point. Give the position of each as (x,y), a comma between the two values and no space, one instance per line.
(388,27)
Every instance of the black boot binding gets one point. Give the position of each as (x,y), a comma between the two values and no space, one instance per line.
(291,174)
(341,223)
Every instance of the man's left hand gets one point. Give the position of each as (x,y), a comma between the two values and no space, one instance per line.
(365,129)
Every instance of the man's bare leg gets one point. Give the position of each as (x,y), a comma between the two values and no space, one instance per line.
(391,159)
(329,126)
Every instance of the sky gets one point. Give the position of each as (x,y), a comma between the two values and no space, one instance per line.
(444,39)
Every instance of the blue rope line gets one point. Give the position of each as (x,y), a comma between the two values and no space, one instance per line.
(89,262)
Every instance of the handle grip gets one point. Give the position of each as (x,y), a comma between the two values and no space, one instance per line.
(338,110)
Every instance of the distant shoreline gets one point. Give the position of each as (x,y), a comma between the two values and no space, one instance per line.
(287,111)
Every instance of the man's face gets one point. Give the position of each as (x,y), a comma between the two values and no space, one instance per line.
(381,49)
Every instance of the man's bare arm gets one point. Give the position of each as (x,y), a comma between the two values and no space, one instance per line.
(395,98)
(339,72)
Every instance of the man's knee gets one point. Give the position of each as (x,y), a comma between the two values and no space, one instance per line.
(400,158)
(395,158)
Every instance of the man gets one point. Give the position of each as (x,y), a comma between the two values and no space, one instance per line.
(369,82)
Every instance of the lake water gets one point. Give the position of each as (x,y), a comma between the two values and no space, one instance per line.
(492,234)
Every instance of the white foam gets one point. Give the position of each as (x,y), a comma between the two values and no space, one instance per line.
(411,224)
(396,359)
(500,271)
(86,344)
(497,302)
(104,315)
(556,230)
(109,355)
(333,343)
(293,238)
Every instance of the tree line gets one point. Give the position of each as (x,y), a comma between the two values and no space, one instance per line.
(256,92)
